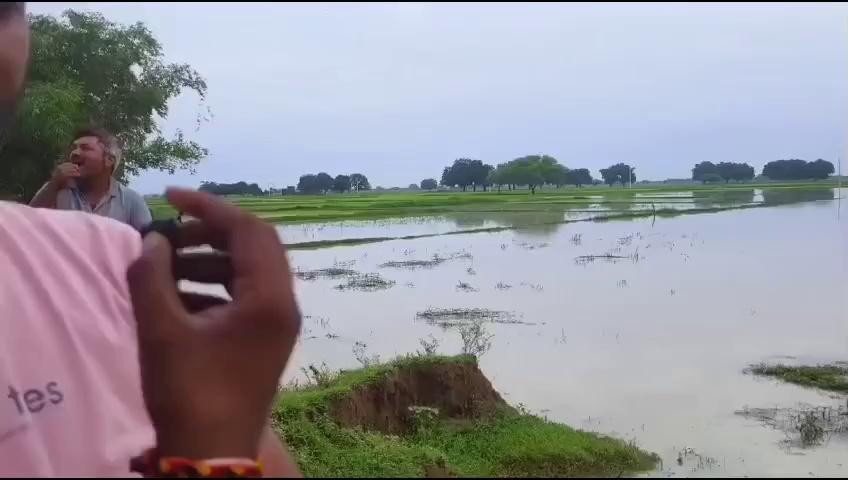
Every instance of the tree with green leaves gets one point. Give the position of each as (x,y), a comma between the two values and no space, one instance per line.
(819,169)
(526,172)
(466,172)
(711,178)
(529,170)
(238,188)
(496,177)
(739,172)
(552,171)
(86,69)
(792,169)
(429,184)
(618,173)
(341,184)
(745,173)
(796,169)
(481,176)
(308,184)
(359,182)
(324,182)
(578,177)
(702,169)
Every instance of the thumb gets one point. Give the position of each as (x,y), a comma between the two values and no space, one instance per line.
(153,290)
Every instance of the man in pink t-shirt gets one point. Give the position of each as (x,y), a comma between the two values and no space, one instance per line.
(71,400)
(71,396)
(70,393)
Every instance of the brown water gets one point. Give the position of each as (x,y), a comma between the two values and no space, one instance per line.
(650,347)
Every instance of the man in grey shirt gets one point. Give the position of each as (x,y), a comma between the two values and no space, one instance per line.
(86,182)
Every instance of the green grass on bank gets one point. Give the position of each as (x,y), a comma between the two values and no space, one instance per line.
(377,205)
(508,444)
(316,398)
(827,377)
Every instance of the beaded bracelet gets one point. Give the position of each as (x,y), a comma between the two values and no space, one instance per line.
(150,464)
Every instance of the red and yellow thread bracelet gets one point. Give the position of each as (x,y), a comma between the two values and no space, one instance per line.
(150,464)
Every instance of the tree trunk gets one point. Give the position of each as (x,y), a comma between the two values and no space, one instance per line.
(532,189)
(474,187)
(499,188)
(463,187)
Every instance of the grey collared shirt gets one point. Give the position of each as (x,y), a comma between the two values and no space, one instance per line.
(120,203)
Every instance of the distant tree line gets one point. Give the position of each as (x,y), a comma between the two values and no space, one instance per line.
(709,172)
(531,171)
(794,169)
(239,188)
(535,171)
(322,183)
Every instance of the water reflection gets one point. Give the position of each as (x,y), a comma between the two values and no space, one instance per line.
(791,195)
(724,198)
(537,223)
(529,220)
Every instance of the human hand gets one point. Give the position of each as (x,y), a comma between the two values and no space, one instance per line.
(209,372)
(64,172)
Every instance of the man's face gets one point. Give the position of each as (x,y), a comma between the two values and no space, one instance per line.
(14,53)
(92,159)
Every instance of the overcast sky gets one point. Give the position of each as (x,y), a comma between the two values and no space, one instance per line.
(397,91)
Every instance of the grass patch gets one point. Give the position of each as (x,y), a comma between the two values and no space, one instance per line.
(450,317)
(316,399)
(429,263)
(826,377)
(805,425)
(369,282)
(332,272)
(522,445)
(509,443)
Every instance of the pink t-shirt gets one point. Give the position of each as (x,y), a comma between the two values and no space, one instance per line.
(70,392)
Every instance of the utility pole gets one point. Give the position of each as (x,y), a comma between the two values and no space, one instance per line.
(839,190)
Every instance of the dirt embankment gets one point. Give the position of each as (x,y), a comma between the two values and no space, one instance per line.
(458,391)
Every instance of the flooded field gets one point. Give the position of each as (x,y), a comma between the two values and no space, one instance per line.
(637,328)
(545,211)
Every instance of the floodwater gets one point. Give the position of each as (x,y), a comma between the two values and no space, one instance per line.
(649,347)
